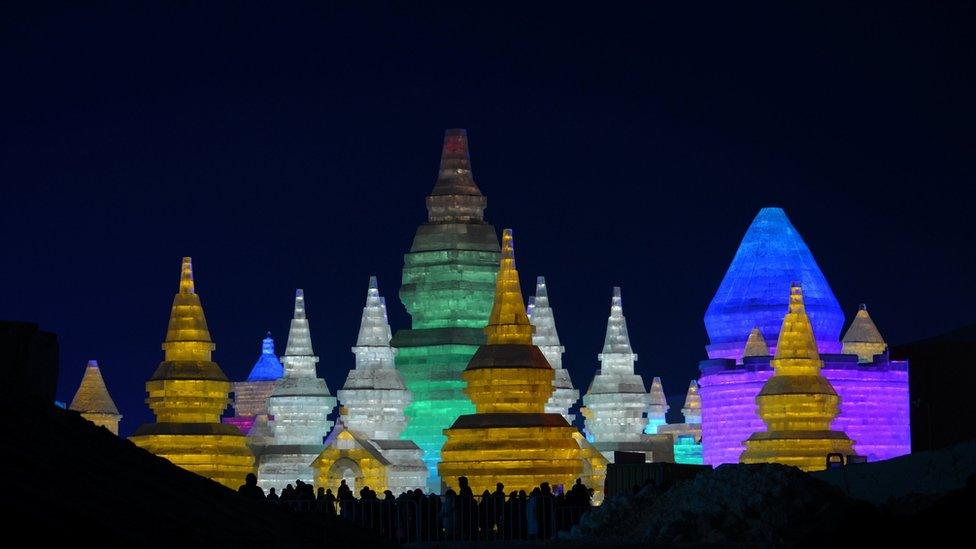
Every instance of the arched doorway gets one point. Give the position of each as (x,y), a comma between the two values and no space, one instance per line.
(348,470)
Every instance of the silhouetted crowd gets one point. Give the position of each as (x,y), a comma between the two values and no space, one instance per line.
(416,516)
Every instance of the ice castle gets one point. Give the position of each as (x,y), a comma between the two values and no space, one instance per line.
(746,315)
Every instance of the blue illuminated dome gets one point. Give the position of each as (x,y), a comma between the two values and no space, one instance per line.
(267,368)
(756,290)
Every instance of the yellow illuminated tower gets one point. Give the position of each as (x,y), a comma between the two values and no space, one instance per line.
(187,393)
(510,439)
(797,403)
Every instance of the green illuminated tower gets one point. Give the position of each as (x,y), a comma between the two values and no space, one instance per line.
(448,289)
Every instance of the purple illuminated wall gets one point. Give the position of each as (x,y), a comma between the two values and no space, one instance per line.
(874,405)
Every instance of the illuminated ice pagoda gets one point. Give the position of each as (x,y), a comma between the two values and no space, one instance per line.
(797,404)
(251,396)
(687,435)
(615,403)
(447,287)
(511,439)
(745,315)
(365,447)
(187,393)
(300,404)
(93,402)
(657,410)
(545,337)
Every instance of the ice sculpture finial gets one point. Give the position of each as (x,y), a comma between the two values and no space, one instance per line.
(796,349)
(540,289)
(617,339)
(692,407)
(374,328)
(508,323)
(863,338)
(267,367)
(756,344)
(456,197)
(186,276)
(187,336)
(299,336)
(546,338)
(299,303)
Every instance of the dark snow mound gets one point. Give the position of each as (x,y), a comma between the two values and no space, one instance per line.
(766,503)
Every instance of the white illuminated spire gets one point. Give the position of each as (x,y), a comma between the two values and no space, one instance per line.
(545,337)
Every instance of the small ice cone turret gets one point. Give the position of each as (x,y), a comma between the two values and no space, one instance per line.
(658,408)
(546,338)
(692,408)
(797,403)
(863,338)
(93,401)
(756,344)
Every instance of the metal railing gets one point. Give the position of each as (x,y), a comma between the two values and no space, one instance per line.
(425,518)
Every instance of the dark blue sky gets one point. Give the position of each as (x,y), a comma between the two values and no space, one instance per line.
(288,147)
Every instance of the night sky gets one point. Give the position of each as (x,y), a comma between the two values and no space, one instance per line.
(286,147)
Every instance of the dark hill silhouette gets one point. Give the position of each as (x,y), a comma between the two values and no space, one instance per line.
(66,480)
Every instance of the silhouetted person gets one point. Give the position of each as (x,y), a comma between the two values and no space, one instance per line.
(272,496)
(497,507)
(330,502)
(250,488)
(532,513)
(449,514)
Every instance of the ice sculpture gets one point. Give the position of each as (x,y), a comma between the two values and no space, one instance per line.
(187,393)
(300,404)
(863,338)
(511,439)
(687,435)
(751,294)
(93,401)
(875,411)
(615,403)
(755,345)
(564,396)
(797,403)
(658,408)
(448,284)
(251,396)
(364,448)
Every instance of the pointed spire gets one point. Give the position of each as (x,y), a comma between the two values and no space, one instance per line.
(658,400)
(863,338)
(796,350)
(692,408)
(541,316)
(187,336)
(455,198)
(267,367)
(374,328)
(92,395)
(617,339)
(454,176)
(299,337)
(186,276)
(508,323)
(756,344)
